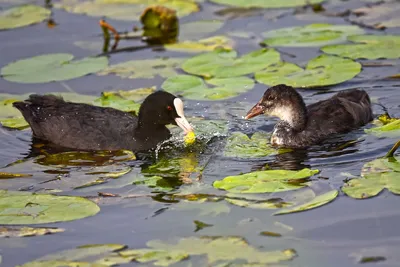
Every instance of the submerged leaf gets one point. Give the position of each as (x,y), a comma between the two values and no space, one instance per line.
(267,3)
(310,35)
(321,71)
(26,208)
(241,146)
(21,16)
(193,87)
(124,9)
(223,63)
(27,231)
(316,202)
(368,47)
(201,225)
(265,181)
(147,68)
(51,67)
(378,16)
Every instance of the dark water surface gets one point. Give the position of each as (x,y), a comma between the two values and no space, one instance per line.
(329,236)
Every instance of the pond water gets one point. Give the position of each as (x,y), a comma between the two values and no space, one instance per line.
(336,234)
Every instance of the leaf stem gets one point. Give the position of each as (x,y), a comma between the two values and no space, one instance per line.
(392,150)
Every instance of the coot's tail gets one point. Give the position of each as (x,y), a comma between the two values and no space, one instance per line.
(358,104)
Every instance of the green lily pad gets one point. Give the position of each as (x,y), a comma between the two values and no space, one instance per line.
(389,129)
(267,3)
(51,67)
(134,94)
(223,63)
(27,208)
(321,71)
(117,102)
(202,45)
(157,183)
(239,145)
(198,29)
(124,9)
(147,68)
(310,35)
(27,231)
(370,47)
(316,202)
(77,257)
(265,181)
(384,15)
(259,204)
(192,87)
(21,16)
(217,249)
(7,175)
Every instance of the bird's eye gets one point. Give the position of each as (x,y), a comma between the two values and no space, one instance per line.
(169,107)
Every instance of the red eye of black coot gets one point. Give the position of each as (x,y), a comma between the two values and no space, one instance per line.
(169,107)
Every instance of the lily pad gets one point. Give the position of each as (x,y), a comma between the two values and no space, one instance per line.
(310,35)
(217,249)
(239,145)
(198,29)
(316,202)
(388,129)
(380,16)
(51,67)
(27,231)
(192,87)
(223,63)
(323,70)
(7,175)
(267,3)
(134,94)
(124,9)
(202,45)
(259,204)
(117,102)
(27,208)
(265,181)
(369,47)
(147,68)
(21,16)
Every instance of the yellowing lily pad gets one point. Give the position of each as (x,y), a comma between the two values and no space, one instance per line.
(27,231)
(239,145)
(368,47)
(134,94)
(202,45)
(267,3)
(27,208)
(51,67)
(323,70)
(124,9)
(21,16)
(193,87)
(310,35)
(223,63)
(147,68)
(265,181)
(380,16)
(388,129)
(314,203)
(7,175)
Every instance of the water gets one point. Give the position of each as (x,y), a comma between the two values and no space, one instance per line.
(330,236)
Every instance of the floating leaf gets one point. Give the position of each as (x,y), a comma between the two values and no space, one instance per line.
(192,87)
(267,3)
(134,94)
(258,204)
(321,71)
(202,45)
(117,102)
(316,202)
(27,231)
(310,35)
(124,9)
(21,16)
(77,257)
(147,68)
(198,29)
(51,67)
(7,175)
(371,47)
(157,183)
(201,225)
(223,63)
(389,129)
(378,16)
(239,145)
(217,249)
(265,181)
(26,208)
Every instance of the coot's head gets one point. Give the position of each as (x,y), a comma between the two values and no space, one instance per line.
(162,108)
(281,101)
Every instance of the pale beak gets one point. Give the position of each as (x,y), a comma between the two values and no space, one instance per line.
(182,122)
(255,111)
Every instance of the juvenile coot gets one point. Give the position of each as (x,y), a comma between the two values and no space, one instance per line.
(86,127)
(302,126)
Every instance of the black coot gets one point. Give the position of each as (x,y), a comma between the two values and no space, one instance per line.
(86,127)
(302,126)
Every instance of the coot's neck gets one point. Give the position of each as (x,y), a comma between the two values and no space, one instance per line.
(148,125)
(294,114)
